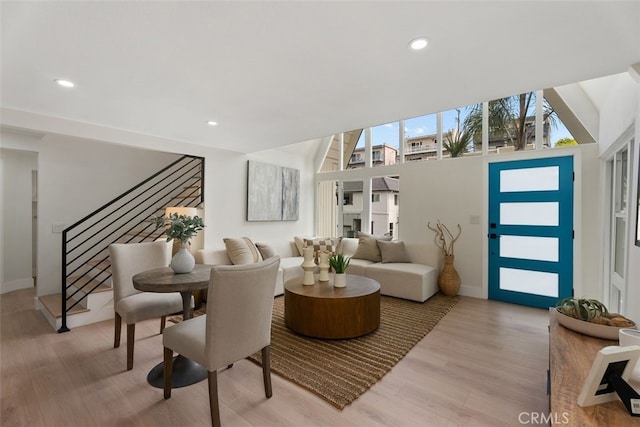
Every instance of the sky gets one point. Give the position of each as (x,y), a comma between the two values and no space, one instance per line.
(426,125)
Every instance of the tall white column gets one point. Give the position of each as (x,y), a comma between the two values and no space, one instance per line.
(439,134)
(401,141)
(366,205)
(367,148)
(539,119)
(341,152)
(485,128)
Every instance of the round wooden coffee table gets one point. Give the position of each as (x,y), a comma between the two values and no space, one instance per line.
(323,311)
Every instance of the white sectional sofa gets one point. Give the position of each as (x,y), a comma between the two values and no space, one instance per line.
(416,280)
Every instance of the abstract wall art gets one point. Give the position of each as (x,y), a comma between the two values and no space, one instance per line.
(272,192)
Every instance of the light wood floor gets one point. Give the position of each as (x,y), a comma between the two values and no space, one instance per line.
(482,365)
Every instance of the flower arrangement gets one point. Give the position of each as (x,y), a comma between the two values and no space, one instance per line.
(179,227)
(339,263)
(444,238)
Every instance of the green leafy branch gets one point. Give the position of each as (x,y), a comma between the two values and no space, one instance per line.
(179,227)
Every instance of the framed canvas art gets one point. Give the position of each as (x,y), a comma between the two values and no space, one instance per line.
(272,192)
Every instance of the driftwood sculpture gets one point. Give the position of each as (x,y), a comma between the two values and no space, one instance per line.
(444,238)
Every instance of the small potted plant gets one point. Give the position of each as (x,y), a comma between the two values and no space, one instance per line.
(339,263)
(181,228)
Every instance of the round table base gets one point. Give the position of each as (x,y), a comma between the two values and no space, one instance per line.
(185,372)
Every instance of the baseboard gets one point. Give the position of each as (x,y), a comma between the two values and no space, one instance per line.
(14,285)
(471,291)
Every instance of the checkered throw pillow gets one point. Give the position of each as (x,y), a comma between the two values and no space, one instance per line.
(323,244)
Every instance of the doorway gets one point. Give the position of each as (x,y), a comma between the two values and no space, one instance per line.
(531,231)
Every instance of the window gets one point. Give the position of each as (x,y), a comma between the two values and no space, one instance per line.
(375,198)
(420,133)
(377,156)
(555,133)
(348,199)
(395,199)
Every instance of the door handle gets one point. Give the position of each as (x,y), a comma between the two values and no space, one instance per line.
(493,235)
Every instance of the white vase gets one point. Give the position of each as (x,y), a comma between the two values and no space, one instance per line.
(308,266)
(183,261)
(340,280)
(323,263)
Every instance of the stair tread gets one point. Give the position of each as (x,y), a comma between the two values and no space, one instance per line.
(53,303)
(88,283)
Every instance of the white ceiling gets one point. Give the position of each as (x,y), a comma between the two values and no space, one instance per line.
(276,73)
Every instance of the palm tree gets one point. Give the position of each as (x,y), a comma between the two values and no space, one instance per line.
(507,118)
(457,143)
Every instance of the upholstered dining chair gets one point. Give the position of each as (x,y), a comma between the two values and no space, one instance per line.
(131,305)
(237,325)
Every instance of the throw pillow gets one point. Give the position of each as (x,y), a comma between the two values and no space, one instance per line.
(265,250)
(325,244)
(300,243)
(393,252)
(368,247)
(241,250)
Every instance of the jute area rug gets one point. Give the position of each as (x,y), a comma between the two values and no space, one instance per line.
(339,371)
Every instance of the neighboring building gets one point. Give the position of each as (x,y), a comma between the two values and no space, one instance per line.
(382,154)
(501,140)
(420,148)
(385,194)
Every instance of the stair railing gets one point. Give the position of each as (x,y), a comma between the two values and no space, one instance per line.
(125,219)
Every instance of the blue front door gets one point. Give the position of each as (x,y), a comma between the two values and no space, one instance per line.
(531,231)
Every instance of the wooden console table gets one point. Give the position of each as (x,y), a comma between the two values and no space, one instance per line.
(570,357)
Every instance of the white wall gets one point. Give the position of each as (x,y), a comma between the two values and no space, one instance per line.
(226,195)
(16,170)
(620,112)
(78,175)
(588,246)
(449,190)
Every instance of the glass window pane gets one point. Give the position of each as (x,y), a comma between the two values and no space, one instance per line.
(528,281)
(512,123)
(385,214)
(456,139)
(556,133)
(535,213)
(526,247)
(352,208)
(384,144)
(530,179)
(621,181)
(420,138)
(621,227)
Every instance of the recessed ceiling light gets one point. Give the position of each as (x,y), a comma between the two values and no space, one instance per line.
(419,43)
(212,123)
(65,83)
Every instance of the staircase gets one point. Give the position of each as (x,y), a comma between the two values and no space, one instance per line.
(86,293)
